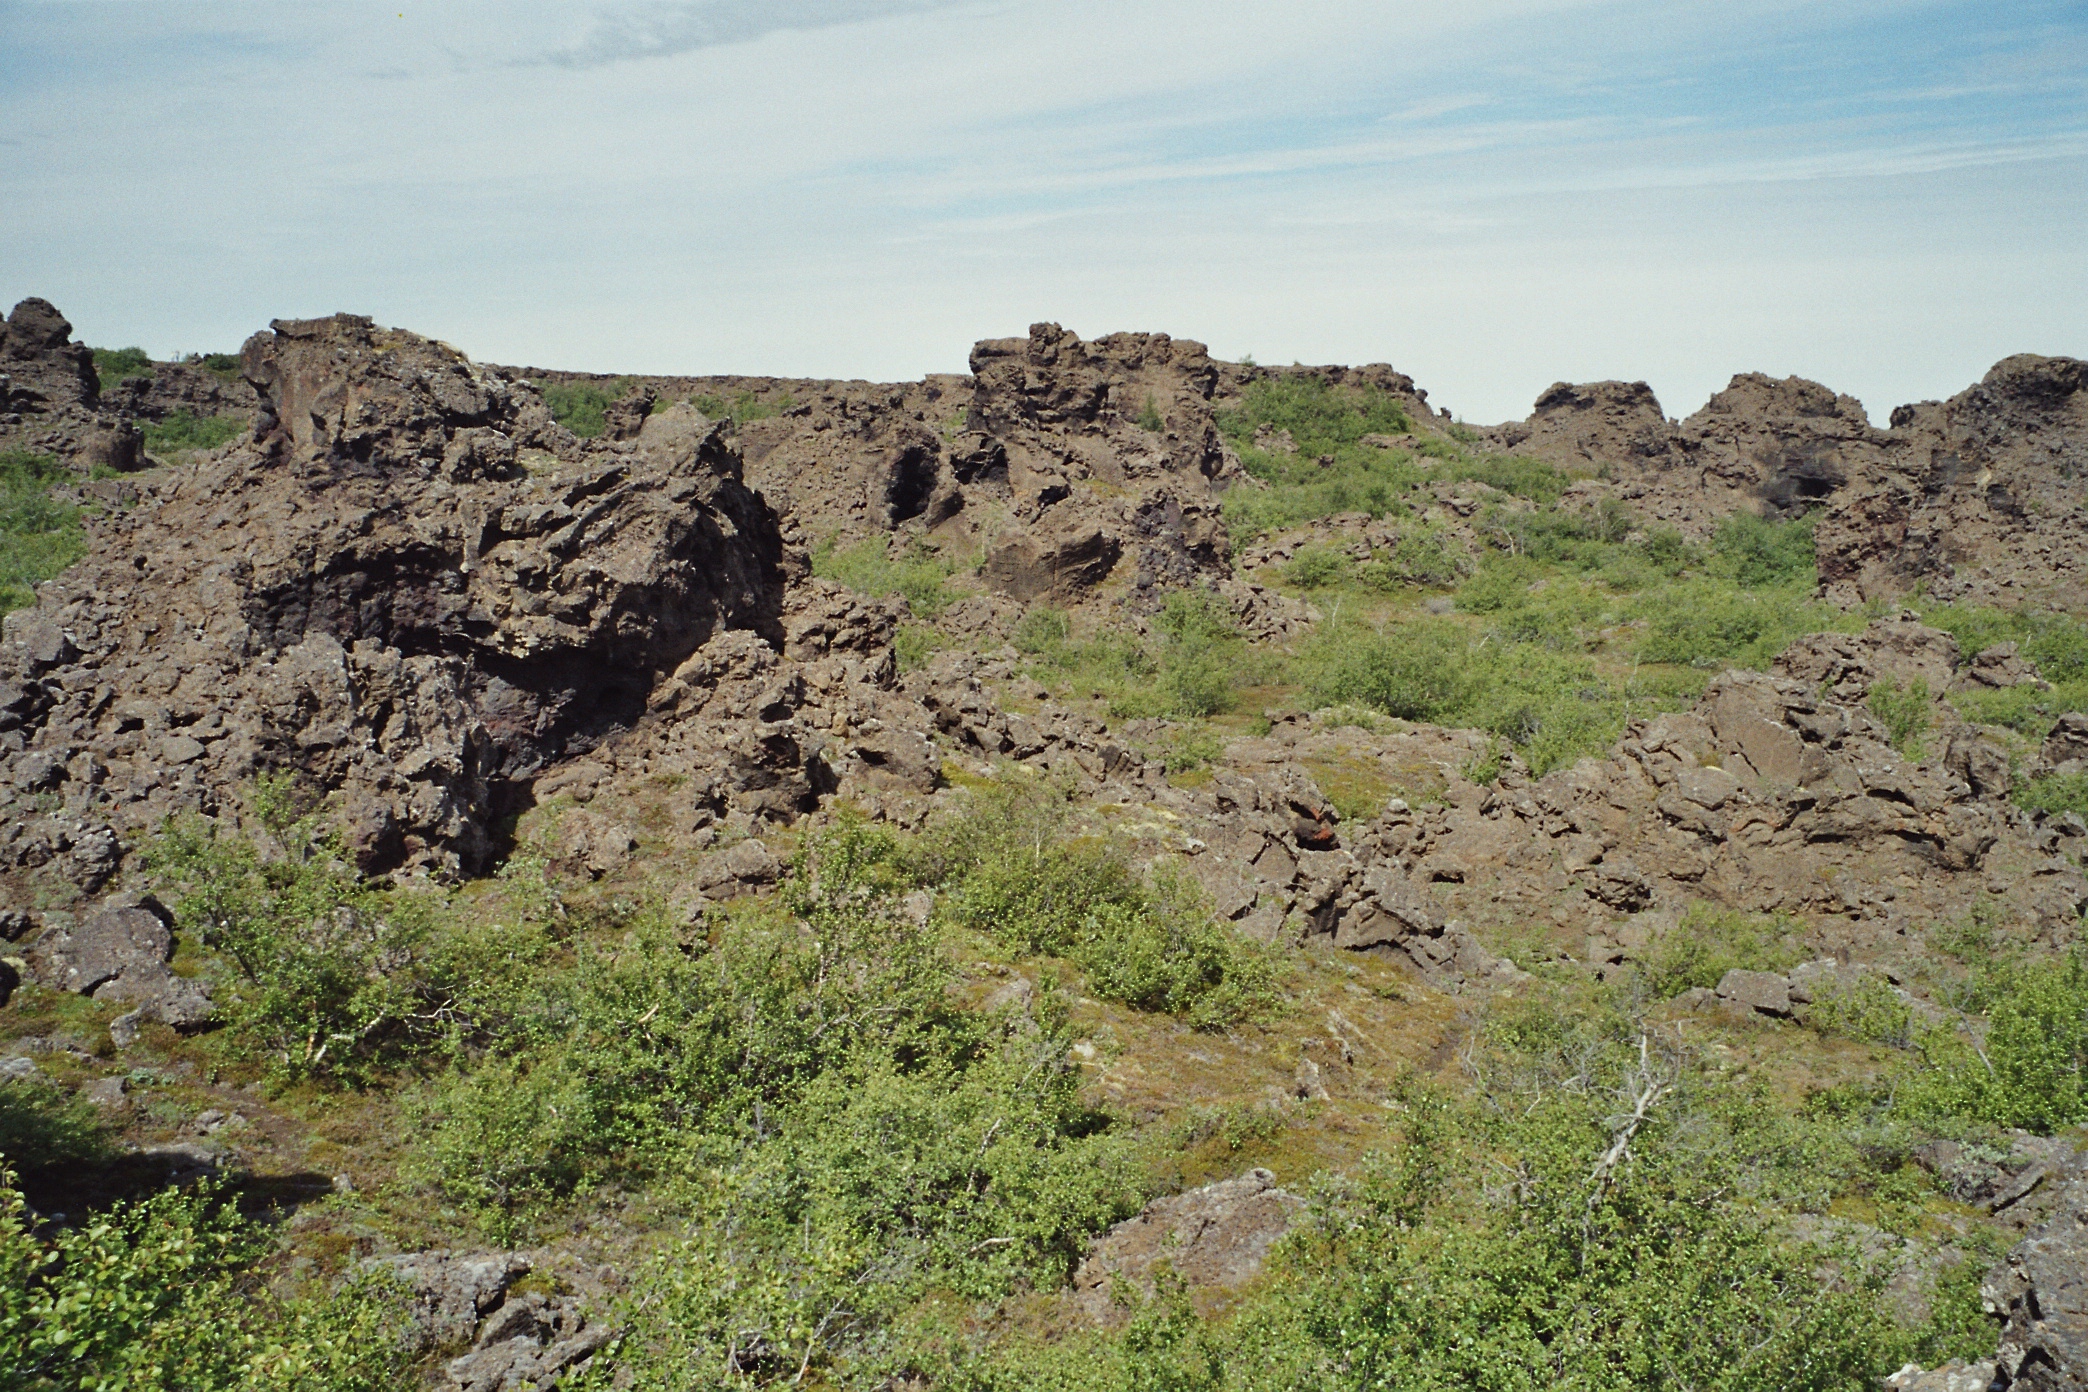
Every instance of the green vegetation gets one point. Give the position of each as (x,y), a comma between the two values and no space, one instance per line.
(578,406)
(2030,1068)
(2054,792)
(38,536)
(1710,942)
(1013,875)
(869,568)
(743,406)
(1904,712)
(305,938)
(1189,669)
(113,365)
(1627,1238)
(157,1296)
(2056,643)
(225,365)
(1554,705)
(1149,416)
(183,430)
(859,1172)
(1864,1009)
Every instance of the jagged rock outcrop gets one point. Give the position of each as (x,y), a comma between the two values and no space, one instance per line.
(45,371)
(1776,447)
(1985,496)
(50,395)
(414,591)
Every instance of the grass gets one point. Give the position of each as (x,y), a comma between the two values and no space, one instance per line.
(1567,624)
(1554,705)
(183,430)
(1333,471)
(38,536)
(1192,667)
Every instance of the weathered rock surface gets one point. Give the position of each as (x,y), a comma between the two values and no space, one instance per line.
(120,953)
(1212,1239)
(2041,1292)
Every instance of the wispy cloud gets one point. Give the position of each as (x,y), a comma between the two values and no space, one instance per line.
(629,32)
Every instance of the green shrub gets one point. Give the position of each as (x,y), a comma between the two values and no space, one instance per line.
(1500,582)
(183,430)
(2028,1070)
(225,365)
(1531,688)
(578,406)
(2056,643)
(1864,1009)
(1041,630)
(913,645)
(39,537)
(1416,671)
(844,1140)
(1710,942)
(158,1297)
(1012,874)
(868,567)
(308,943)
(1149,416)
(1704,623)
(44,1132)
(1424,556)
(1318,416)
(1644,1274)
(1606,1254)
(743,407)
(1903,711)
(1759,554)
(508,1139)
(1317,567)
(1524,478)
(113,365)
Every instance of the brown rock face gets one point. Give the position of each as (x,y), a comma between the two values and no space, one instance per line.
(1985,495)
(415,590)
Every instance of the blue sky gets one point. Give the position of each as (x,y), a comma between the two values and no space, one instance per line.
(1492,195)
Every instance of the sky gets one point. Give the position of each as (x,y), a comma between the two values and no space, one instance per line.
(1883,195)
